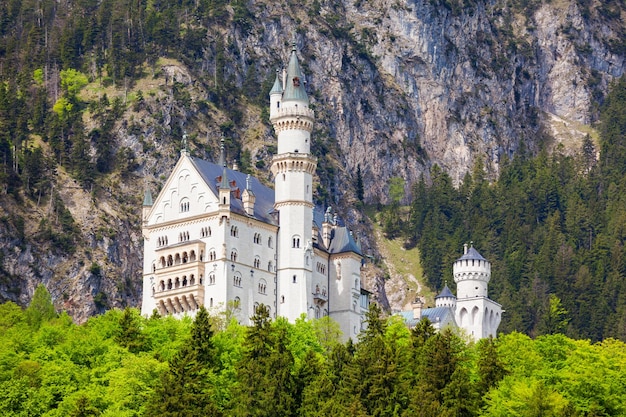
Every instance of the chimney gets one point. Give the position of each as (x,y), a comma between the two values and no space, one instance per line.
(248,198)
(464,248)
(417,307)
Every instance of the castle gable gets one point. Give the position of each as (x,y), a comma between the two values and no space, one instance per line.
(185,194)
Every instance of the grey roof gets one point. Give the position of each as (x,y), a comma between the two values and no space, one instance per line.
(147,198)
(472,254)
(437,314)
(294,88)
(264,203)
(343,241)
(445,293)
(278,86)
(408,319)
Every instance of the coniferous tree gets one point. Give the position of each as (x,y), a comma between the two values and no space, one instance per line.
(40,308)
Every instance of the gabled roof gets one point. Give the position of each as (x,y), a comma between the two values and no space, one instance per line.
(472,254)
(342,241)
(445,293)
(264,203)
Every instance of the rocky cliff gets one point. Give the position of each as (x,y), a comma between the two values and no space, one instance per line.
(397,87)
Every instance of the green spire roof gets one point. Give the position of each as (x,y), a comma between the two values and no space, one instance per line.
(224,184)
(294,88)
(278,86)
(147,198)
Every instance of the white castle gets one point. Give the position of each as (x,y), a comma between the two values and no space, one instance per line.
(218,238)
(472,310)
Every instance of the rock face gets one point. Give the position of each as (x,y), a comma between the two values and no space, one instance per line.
(397,87)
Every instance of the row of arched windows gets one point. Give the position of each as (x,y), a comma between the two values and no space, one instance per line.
(179,258)
(321,268)
(162,241)
(184,205)
(178,282)
(205,232)
(234,231)
(257,238)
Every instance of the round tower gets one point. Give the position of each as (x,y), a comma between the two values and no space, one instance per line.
(471,273)
(445,298)
(293,169)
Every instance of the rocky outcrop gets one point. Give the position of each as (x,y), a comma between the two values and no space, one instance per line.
(396,87)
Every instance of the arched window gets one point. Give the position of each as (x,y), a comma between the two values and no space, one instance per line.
(295,242)
(184,205)
(270,267)
(192,256)
(233,255)
(257,238)
(211,278)
(184,280)
(262,286)
(237,302)
(295,279)
(234,231)
(257,262)
(161,286)
(270,242)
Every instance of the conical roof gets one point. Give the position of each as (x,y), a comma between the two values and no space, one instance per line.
(294,88)
(278,86)
(472,254)
(445,293)
(147,198)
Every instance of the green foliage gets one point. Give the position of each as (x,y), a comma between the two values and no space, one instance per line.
(41,309)
(287,369)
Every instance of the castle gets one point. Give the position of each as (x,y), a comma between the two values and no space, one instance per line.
(473,311)
(219,238)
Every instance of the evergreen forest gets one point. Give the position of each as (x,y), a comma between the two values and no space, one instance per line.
(552,225)
(122,364)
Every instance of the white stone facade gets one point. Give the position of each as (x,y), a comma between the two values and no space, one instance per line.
(217,238)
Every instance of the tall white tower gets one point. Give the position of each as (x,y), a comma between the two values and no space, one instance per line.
(293,168)
(475,312)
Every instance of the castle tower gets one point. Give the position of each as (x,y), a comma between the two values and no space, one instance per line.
(475,312)
(293,168)
(445,298)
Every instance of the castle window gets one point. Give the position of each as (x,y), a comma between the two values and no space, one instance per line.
(257,238)
(317,312)
(270,267)
(184,205)
(295,279)
(192,256)
(212,255)
(161,286)
(237,281)
(270,243)
(211,303)
(185,257)
(192,280)
(169,284)
(234,231)
(324,291)
(295,242)
(184,281)
(262,287)
(257,262)
(205,232)
(237,302)
(177,283)
(233,256)
(282,299)
(211,279)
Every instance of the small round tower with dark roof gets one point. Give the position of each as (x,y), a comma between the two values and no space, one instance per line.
(472,273)
(478,315)
(446,298)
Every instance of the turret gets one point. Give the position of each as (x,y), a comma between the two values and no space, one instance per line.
(417,306)
(445,298)
(147,205)
(472,273)
(276,95)
(327,228)
(289,112)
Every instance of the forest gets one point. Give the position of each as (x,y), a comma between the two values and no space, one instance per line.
(552,225)
(123,364)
